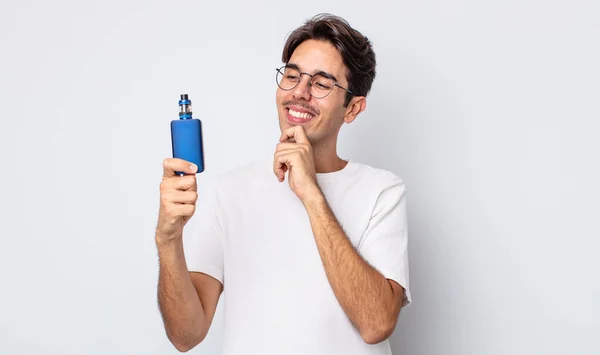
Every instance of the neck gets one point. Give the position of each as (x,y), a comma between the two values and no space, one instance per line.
(326,158)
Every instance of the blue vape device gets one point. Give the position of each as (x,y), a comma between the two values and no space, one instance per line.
(186,135)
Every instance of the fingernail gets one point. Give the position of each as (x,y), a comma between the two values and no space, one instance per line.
(193,167)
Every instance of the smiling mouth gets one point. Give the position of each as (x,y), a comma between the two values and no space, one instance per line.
(300,115)
(297,117)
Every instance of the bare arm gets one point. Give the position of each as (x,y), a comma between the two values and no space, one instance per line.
(371,301)
(187,301)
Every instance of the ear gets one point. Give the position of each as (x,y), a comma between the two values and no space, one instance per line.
(357,105)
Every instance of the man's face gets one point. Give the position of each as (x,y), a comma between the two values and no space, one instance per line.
(321,118)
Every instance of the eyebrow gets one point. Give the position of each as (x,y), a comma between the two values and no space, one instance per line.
(321,72)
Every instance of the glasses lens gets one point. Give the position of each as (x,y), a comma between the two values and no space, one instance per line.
(287,78)
(320,86)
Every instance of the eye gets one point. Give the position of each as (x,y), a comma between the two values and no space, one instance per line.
(323,86)
(291,77)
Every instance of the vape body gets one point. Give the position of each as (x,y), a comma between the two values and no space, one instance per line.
(186,135)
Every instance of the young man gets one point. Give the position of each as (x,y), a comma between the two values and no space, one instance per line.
(316,264)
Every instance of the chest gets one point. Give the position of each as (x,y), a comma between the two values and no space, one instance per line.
(269,236)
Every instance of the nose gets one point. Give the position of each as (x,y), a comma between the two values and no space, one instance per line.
(302,90)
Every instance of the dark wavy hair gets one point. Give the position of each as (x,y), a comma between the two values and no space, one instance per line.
(356,49)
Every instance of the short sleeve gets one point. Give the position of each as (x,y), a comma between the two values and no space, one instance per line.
(384,245)
(203,236)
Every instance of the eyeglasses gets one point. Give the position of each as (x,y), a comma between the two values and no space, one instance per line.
(319,86)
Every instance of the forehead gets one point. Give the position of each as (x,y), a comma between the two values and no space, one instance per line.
(313,55)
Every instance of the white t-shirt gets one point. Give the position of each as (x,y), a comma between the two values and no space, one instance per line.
(253,234)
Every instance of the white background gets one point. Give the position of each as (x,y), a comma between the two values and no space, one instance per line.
(489,110)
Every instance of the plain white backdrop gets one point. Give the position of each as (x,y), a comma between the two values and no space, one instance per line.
(489,110)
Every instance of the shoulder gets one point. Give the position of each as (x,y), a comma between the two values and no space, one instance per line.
(378,178)
(385,191)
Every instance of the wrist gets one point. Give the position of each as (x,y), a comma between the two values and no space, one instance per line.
(167,240)
(313,198)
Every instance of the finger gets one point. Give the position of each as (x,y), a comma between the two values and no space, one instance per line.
(285,146)
(176,211)
(302,148)
(281,164)
(295,149)
(293,154)
(172,165)
(284,160)
(182,183)
(180,197)
(185,183)
(295,132)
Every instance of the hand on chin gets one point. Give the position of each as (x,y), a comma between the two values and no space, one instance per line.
(294,154)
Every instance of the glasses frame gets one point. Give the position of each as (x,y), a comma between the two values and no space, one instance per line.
(278,70)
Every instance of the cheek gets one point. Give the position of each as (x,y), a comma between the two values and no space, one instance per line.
(332,117)
(280,96)
(330,112)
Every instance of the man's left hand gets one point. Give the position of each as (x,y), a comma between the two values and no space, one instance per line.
(294,154)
